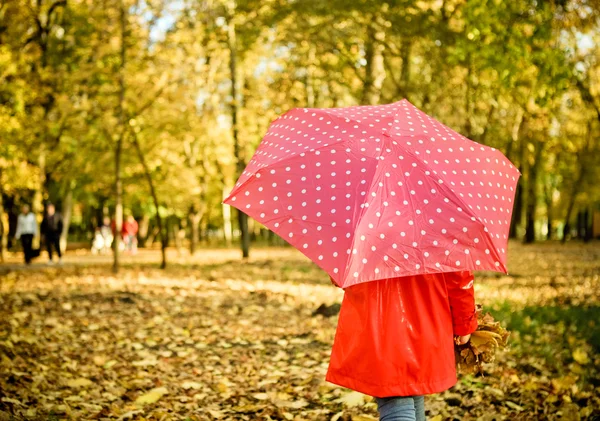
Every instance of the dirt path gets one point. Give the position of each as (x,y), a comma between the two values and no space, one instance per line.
(216,338)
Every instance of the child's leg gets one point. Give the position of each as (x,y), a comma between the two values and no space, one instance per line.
(400,408)
(420,407)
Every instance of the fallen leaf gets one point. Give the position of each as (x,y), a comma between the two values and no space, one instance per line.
(80,382)
(191,385)
(514,406)
(152,396)
(581,356)
(352,399)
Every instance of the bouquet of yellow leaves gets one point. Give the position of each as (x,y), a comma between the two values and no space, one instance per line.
(482,346)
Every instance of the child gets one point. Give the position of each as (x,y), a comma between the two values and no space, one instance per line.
(394,339)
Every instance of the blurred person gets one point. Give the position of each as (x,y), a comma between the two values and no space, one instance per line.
(52,226)
(98,243)
(27,228)
(129,233)
(106,231)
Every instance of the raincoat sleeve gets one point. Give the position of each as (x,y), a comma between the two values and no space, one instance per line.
(462,302)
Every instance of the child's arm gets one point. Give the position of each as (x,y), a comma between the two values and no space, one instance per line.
(462,302)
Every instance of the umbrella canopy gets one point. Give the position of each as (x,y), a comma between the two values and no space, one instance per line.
(375,192)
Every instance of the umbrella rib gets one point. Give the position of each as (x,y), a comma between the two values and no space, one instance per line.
(442,186)
(417,136)
(360,217)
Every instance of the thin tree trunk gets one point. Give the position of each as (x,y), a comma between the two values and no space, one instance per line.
(587,225)
(240,164)
(374,68)
(67,211)
(518,205)
(3,222)
(37,205)
(550,214)
(468,124)
(144,226)
(159,222)
(548,189)
(119,149)
(310,77)
(531,208)
(405,74)
(515,132)
(227,226)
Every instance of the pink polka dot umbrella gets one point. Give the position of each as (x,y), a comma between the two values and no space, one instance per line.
(375,192)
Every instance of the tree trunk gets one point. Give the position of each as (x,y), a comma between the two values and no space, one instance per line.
(583,225)
(227,226)
(588,225)
(374,68)
(159,222)
(468,89)
(310,77)
(517,209)
(548,190)
(144,226)
(531,208)
(518,205)
(119,149)
(405,72)
(3,222)
(67,211)
(37,205)
(550,213)
(240,164)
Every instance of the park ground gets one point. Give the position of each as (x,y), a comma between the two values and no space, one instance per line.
(216,338)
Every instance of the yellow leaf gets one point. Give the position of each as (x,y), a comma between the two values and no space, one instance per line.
(514,406)
(152,396)
(352,399)
(191,385)
(99,360)
(260,396)
(581,356)
(438,417)
(80,382)
(216,414)
(222,387)
(337,416)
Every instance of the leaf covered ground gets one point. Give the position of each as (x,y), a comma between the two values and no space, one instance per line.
(214,338)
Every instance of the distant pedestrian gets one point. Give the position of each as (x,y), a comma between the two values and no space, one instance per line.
(106,230)
(129,233)
(27,228)
(52,227)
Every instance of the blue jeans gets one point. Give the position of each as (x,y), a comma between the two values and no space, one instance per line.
(401,408)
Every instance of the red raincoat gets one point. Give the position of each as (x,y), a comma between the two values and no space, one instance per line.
(395,336)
